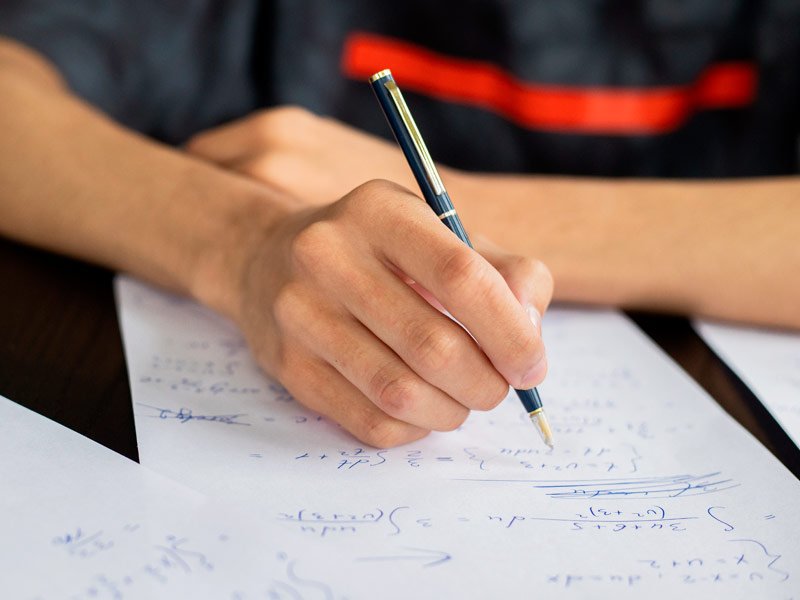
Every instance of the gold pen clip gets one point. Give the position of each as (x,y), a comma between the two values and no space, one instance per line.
(411,126)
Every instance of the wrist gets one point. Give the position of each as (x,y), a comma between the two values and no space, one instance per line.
(244,221)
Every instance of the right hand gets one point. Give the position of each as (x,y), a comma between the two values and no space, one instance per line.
(325,302)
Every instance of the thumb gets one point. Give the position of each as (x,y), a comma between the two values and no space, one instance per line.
(529,279)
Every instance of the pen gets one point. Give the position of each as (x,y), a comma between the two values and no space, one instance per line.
(419,159)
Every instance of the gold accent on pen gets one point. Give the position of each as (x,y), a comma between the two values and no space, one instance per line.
(379,75)
(416,152)
(416,137)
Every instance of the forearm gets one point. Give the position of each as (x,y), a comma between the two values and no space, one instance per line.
(76,183)
(726,249)
(299,280)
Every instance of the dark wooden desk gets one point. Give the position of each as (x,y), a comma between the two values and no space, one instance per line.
(61,354)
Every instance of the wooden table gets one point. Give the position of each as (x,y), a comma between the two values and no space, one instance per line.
(61,354)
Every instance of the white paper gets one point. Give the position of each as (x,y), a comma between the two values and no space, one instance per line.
(651,489)
(767,361)
(79,521)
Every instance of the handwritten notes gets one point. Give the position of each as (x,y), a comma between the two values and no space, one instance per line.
(767,361)
(81,522)
(651,489)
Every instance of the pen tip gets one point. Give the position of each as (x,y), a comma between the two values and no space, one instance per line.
(543,427)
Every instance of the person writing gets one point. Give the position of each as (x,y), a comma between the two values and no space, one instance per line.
(137,138)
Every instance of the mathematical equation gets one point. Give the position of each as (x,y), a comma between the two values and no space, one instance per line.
(187,415)
(606,518)
(601,459)
(748,562)
(197,385)
(603,518)
(174,558)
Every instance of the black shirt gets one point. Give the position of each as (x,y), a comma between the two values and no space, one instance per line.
(661,88)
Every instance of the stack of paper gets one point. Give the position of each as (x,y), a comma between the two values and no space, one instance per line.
(767,361)
(652,488)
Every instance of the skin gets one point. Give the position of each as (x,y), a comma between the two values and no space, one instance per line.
(338,293)
(267,221)
(719,249)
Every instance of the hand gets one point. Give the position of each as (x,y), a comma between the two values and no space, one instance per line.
(310,157)
(324,300)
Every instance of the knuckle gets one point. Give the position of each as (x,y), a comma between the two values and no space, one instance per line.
(454,421)
(384,432)
(312,245)
(283,121)
(519,273)
(263,167)
(376,192)
(379,187)
(287,367)
(491,394)
(353,204)
(435,348)
(365,195)
(375,203)
(526,266)
(524,344)
(287,306)
(462,271)
(394,394)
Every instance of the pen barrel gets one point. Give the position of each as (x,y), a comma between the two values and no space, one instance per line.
(443,207)
(530,399)
(410,141)
(402,135)
(435,195)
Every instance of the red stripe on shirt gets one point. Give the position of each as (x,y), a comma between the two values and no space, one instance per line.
(572,109)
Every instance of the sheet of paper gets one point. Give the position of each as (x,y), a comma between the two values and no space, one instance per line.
(767,361)
(79,521)
(651,489)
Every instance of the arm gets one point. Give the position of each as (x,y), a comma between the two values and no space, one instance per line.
(726,249)
(301,281)
(74,182)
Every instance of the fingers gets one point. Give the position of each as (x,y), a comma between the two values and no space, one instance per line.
(241,140)
(318,386)
(374,369)
(225,145)
(468,286)
(529,279)
(347,275)
(430,343)
(350,338)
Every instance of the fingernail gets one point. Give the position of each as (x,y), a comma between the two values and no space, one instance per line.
(535,375)
(534,316)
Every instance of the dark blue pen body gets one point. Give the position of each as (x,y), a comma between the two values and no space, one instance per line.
(440,203)
(453,223)
(530,399)
(404,139)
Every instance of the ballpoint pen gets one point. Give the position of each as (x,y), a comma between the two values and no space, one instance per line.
(419,159)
